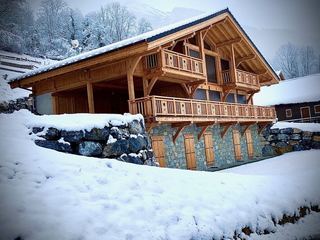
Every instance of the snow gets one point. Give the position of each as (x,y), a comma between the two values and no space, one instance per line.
(6,93)
(51,195)
(295,90)
(113,46)
(311,127)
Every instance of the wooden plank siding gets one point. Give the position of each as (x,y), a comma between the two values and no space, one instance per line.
(190,151)
(249,143)
(159,150)
(237,144)
(208,147)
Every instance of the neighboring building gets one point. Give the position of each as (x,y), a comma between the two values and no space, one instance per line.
(192,81)
(295,100)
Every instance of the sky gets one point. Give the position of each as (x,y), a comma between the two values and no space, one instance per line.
(270,23)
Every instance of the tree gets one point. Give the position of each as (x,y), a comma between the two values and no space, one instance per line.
(143,26)
(307,61)
(287,60)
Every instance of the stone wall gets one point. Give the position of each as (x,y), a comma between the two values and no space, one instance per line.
(128,142)
(278,141)
(15,105)
(223,147)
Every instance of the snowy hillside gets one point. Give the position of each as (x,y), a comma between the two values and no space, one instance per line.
(51,195)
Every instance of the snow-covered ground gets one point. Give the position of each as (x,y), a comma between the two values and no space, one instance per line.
(312,127)
(6,93)
(51,195)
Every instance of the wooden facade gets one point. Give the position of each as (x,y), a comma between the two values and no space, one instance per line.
(204,72)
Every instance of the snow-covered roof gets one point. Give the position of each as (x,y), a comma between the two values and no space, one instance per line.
(145,37)
(295,90)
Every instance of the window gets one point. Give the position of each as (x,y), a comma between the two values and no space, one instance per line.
(214,95)
(317,109)
(211,69)
(190,152)
(305,112)
(241,99)
(194,53)
(158,148)
(200,94)
(230,98)
(288,113)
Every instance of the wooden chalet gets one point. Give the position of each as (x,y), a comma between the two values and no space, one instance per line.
(202,72)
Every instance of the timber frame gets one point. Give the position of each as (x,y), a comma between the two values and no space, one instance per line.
(162,75)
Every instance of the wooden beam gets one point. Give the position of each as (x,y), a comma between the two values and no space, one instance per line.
(226,126)
(133,62)
(225,94)
(150,126)
(229,42)
(246,126)
(245,58)
(151,84)
(180,127)
(90,97)
(186,89)
(250,97)
(130,86)
(262,126)
(233,65)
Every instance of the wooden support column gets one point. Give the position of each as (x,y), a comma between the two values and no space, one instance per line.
(90,97)
(54,104)
(233,65)
(145,86)
(130,70)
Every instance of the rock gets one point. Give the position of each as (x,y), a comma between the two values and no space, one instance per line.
(135,127)
(116,149)
(282,148)
(119,133)
(283,137)
(274,131)
(306,135)
(295,136)
(298,148)
(286,131)
(316,138)
(36,130)
(268,151)
(134,159)
(150,154)
(55,145)
(72,136)
(137,144)
(265,132)
(272,138)
(97,134)
(88,148)
(292,143)
(296,131)
(151,162)
(52,134)
(307,144)
(315,145)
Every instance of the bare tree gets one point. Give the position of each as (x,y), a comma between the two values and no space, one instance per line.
(143,26)
(287,60)
(307,61)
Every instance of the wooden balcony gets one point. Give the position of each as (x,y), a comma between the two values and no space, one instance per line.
(170,110)
(176,65)
(244,80)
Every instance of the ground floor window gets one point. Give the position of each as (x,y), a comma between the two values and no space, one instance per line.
(288,113)
(305,112)
(317,109)
(190,151)
(158,149)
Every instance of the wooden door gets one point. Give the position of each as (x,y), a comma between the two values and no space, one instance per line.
(208,146)
(236,144)
(190,151)
(158,149)
(249,143)
(305,112)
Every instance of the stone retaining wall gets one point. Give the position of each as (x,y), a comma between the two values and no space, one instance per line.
(15,105)
(128,142)
(278,141)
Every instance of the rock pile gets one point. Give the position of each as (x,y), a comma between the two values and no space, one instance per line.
(15,105)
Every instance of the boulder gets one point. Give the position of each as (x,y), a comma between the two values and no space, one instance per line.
(291,142)
(72,136)
(131,159)
(296,131)
(119,133)
(268,151)
(150,154)
(283,137)
(282,148)
(36,130)
(135,127)
(116,149)
(97,134)
(298,148)
(88,148)
(315,145)
(272,138)
(55,145)
(295,136)
(136,144)
(286,131)
(52,134)
(306,135)
(274,131)
(316,138)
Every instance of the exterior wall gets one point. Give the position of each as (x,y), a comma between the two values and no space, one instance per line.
(223,148)
(43,104)
(295,108)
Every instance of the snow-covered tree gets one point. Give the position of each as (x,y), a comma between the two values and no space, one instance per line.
(307,61)
(143,26)
(287,60)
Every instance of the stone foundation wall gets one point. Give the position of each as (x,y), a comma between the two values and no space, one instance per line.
(128,142)
(15,105)
(278,141)
(223,147)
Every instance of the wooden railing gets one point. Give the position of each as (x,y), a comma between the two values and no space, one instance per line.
(173,60)
(156,106)
(247,78)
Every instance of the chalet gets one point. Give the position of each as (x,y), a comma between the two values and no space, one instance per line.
(192,81)
(295,100)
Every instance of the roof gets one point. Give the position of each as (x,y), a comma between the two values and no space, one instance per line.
(295,90)
(145,37)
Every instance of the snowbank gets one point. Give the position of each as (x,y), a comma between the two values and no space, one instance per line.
(311,127)
(51,195)
(302,89)
(6,93)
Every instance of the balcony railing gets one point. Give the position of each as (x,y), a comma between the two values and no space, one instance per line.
(242,77)
(158,106)
(175,61)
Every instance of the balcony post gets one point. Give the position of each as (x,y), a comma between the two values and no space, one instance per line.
(233,65)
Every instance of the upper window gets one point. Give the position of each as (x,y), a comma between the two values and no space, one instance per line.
(288,113)
(211,69)
(317,109)
(200,94)
(194,53)
(214,95)
(241,99)
(230,98)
